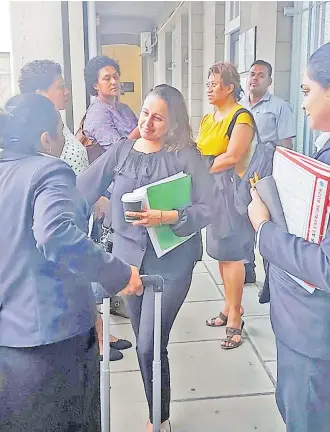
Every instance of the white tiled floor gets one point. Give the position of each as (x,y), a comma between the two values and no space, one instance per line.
(212,390)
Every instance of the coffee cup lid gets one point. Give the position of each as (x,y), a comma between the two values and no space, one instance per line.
(131,197)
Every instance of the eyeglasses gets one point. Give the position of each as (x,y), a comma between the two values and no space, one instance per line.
(211,84)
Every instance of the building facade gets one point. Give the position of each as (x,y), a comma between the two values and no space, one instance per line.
(5,78)
(175,43)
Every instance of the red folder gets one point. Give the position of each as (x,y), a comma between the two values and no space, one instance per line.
(318,175)
(319,210)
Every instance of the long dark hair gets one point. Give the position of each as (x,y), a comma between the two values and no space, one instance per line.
(24,119)
(318,68)
(179,134)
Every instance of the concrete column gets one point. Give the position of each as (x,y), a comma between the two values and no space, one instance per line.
(92,32)
(168,57)
(35,38)
(213,41)
(78,90)
(184,54)
(57,36)
(177,56)
(283,52)
(160,64)
(219,31)
(195,65)
(274,39)
(147,75)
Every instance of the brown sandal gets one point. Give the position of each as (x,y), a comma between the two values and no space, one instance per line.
(211,321)
(228,342)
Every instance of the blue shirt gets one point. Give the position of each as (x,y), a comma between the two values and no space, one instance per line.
(273,116)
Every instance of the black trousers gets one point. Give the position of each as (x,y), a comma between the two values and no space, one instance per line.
(303,391)
(51,388)
(141,312)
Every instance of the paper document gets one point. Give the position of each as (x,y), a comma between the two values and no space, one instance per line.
(303,186)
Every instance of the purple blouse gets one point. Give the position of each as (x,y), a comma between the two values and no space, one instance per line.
(108,124)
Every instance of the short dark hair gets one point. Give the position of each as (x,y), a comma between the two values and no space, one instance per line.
(318,68)
(38,75)
(93,68)
(24,119)
(264,63)
(179,135)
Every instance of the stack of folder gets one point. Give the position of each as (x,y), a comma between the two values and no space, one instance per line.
(297,196)
(171,193)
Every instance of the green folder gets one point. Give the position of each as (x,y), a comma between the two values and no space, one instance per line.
(169,194)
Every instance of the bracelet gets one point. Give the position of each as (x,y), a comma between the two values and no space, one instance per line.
(161,218)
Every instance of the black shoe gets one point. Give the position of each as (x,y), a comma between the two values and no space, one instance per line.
(115,355)
(121,344)
(250,274)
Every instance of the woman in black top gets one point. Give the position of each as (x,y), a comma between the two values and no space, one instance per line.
(166,147)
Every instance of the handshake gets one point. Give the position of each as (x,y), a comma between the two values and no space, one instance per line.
(134,285)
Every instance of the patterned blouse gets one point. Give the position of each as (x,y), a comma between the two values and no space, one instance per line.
(74,153)
(107,124)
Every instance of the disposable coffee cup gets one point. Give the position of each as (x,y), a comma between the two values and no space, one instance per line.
(132,202)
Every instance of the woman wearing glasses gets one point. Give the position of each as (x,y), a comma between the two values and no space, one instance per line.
(227,153)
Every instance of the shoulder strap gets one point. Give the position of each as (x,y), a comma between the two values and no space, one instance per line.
(234,119)
(126,147)
(81,124)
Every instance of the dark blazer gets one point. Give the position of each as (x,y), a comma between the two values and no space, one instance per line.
(300,320)
(47,262)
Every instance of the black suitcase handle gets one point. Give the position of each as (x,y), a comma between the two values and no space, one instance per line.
(156,281)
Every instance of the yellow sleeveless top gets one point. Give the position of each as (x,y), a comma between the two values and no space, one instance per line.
(212,138)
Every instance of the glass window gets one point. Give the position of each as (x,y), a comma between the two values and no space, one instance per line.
(301,119)
(234,9)
(168,57)
(234,48)
(313,32)
(326,23)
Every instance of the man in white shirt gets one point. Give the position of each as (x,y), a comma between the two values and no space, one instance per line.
(273,115)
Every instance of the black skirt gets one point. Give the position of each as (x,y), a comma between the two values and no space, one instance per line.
(52,387)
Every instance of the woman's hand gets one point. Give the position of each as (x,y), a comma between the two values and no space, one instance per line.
(153,218)
(212,169)
(100,208)
(257,210)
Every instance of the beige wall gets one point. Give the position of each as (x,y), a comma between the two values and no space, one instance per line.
(5,78)
(160,64)
(274,39)
(199,34)
(36,32)
(213,40)
(283,52)
(76,30)
(36,28)
(129,59)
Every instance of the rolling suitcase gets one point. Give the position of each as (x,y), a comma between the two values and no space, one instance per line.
(156,283)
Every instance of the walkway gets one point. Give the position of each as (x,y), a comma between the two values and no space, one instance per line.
(212,390)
